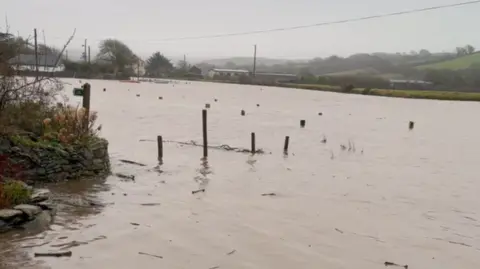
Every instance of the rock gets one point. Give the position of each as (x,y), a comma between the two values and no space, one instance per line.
(7,214)
(39,195)
(29,210)
(40,222)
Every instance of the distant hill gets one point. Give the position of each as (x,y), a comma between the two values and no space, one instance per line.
(459,63)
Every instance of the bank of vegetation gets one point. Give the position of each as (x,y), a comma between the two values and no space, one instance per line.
(41,138)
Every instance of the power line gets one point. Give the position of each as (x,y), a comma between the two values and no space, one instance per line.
(325,23)
(314,25)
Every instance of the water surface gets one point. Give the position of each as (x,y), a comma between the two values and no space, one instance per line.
(409,197)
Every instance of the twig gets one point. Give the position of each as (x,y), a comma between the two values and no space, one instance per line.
(132,162)
(394,264)
(56,254)
(151,255)
(65,47)
(197,191)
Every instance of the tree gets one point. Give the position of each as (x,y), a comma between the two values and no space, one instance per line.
(183,65)
(158,64)
(117,53)
(195,70)
(461,51)
(424,53)
(470,49)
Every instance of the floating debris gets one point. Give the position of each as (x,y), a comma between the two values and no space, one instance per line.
(324,140)
(150,204)
(231,252)
(338,230)
(151,255)
(129,177)
(54,254)
(134,224)
(394,264)
(197,191)
(132,162)
(269,194)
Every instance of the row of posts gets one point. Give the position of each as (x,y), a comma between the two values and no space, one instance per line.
(86,105)
(253,146)
(205,139)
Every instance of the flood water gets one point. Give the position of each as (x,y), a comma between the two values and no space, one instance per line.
(408,197)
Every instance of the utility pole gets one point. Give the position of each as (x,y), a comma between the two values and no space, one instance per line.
(254,59)
(36,51)
(88,54)
(138,70)
(185,62)
(85,50)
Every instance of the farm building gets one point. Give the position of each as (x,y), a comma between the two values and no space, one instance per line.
(46,63)
(227,72)
(410,84)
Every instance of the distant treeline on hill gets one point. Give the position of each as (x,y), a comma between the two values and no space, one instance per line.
(458,70)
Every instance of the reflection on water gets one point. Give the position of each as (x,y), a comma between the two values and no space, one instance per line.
(75,200)
(203,174)
(406,197)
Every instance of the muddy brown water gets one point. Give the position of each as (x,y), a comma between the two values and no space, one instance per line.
(408,197)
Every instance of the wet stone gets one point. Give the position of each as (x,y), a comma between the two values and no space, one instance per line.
(6,214)
(29,210)
(40,195)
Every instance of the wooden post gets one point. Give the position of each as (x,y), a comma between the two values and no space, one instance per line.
(302,123)
(205,140)
(160,148)
(86,103)
(36,52)
(285,146)
(253,143)
(411,124)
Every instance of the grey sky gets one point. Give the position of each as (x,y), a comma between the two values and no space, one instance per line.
(142,23)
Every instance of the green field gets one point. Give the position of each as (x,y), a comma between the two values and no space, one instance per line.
(434,95)
(455,64)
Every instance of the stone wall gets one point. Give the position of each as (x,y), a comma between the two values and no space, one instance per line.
(39,162)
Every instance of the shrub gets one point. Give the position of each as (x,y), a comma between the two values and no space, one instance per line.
(13,193)
(366,91)
(348,88)
(69,125)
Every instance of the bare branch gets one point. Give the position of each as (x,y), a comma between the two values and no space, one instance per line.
(65,47)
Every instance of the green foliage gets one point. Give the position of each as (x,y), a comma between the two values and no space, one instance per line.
(158,65)
(435,95)
(459,63)
(366,91)
(13,193)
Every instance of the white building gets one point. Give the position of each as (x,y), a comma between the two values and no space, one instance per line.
(46,63)
(227,72)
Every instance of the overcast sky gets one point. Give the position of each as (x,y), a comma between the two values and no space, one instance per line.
(142,24)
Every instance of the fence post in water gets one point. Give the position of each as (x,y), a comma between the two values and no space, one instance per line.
(253,143)
(302,123)
(86,103)
(205,141)
(285,146)
(411,124)
(160,148)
